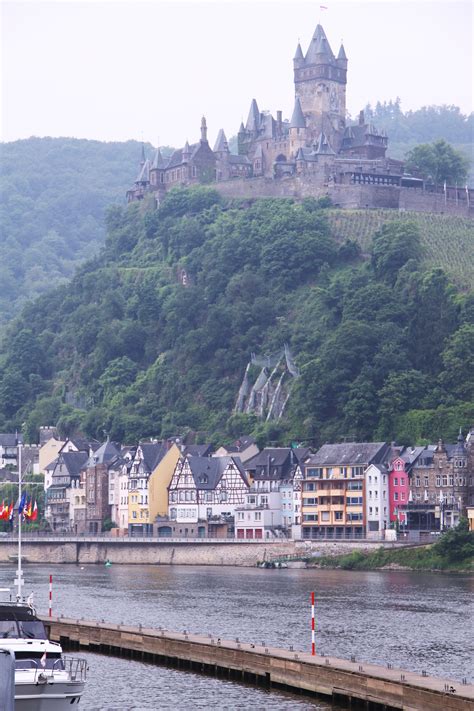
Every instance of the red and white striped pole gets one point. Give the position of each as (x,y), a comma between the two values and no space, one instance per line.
(50,596)
(313,648)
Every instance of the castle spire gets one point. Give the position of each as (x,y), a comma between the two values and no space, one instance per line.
(203,130)
(142,159)
(319,50)
(253,121)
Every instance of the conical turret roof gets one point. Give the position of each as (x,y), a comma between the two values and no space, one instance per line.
(297,120)
(342,54)
(253,121)
(158,161)
(221,145)
(299,52)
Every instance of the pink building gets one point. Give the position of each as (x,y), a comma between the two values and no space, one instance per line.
(398,490)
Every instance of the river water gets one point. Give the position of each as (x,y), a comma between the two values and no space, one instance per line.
(414,620)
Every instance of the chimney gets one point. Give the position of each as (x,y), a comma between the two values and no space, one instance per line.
(279,122)
(361,118)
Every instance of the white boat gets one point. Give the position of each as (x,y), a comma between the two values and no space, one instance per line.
(45,679)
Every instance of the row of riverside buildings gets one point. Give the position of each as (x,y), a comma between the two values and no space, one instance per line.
(373,490)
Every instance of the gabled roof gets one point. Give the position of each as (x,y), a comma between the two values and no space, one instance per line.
(144,174)
(153,453)
(106,453)
(208,471)
(276,462)
(238,160)
(348,453)
(323,147)
(73,461)
(297,119)
(197,450)
(8,440)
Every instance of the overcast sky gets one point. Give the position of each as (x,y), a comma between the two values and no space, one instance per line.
(149,70)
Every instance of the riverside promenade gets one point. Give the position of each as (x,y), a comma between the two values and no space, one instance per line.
(352,682)
(148,550)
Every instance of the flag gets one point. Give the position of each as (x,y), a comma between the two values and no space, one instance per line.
(28,510)
(22,504)
(43,660)
(11,511)
(323,7)
(2,510)
(34,512)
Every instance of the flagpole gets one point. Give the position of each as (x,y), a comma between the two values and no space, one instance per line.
(19,574)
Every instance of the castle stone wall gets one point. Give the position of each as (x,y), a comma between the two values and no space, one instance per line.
(344,196)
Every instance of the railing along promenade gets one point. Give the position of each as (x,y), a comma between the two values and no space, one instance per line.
(354,682)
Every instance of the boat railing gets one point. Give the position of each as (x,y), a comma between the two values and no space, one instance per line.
(75,668)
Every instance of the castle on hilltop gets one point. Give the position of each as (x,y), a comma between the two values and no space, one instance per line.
(313,154)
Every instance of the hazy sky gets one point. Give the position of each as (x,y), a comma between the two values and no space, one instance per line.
(149,70)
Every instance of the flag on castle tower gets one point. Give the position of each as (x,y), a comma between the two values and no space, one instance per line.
(323,7)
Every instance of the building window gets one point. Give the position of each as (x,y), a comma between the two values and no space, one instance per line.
(395,496)
(417,481)
(395,481)
(426,481)
(338,515)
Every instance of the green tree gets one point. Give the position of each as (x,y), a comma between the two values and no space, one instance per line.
(393,246)
(438,162)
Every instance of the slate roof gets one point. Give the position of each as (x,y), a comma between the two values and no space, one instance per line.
(319,45)
(158,160)
(8,475)
(342,53)
(8,440)
(323,147)
(153,453)
(144,174)
(73,461)
(275,463)
(221,145)
(197,450)
(208,471)
(297,120)
(106,453)
(234,159)
(253,120)
(242,443)
(299,52)
(348,453)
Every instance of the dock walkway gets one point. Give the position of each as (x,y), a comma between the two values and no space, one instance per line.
(344,681)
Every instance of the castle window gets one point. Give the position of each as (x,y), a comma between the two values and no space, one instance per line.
(194,171)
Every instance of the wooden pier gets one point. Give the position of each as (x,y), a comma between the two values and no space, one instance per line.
(345,682)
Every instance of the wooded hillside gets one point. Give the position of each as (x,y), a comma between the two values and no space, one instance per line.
(384,340)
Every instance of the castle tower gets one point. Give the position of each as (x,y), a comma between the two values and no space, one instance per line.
(320,85)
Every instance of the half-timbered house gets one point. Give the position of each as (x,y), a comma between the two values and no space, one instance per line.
(206,489)
(273,504)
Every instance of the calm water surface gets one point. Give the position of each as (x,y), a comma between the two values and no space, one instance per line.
(414,620)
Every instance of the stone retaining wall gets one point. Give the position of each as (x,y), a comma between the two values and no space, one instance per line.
(155,552)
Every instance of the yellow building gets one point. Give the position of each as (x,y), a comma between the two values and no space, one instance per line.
(146,459)
(49,452)
(159,482)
